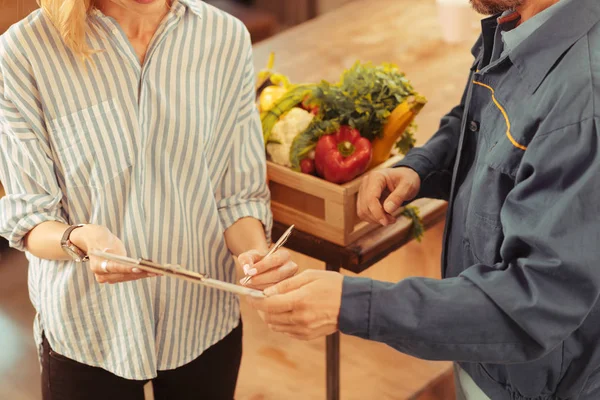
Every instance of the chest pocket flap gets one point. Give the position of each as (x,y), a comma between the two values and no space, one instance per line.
(92,145)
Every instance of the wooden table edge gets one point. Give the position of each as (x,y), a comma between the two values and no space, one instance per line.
(368,250)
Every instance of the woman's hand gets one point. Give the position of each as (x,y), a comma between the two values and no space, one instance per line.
(96,237)
(267,271)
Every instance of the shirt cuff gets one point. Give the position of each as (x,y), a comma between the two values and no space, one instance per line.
(418,161)
(17,235)
(256,209)
(356,306)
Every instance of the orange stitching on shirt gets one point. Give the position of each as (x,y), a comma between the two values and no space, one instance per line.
(503,111)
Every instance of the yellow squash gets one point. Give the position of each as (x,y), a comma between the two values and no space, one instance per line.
(396,125)
(269,96)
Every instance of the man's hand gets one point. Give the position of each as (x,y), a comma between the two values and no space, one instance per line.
(100,238)
(305,307)
(267,271)
(404,185)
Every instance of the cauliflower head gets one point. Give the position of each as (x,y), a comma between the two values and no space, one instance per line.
(284,131)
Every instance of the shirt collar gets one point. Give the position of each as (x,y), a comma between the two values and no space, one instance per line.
(537,53)
(192,5)
(514,37)
(491,27)
(178,7)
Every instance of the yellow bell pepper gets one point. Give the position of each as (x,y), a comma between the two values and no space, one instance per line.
(397,123)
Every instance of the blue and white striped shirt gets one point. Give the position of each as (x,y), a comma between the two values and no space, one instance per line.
(167,155)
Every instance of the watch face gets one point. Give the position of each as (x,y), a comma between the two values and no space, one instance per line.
(72,253)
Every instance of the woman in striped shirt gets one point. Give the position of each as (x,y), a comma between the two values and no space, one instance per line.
(137,119)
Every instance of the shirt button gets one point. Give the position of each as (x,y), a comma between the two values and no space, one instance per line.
(474,126)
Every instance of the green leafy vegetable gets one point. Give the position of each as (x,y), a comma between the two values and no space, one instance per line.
(407,140)
(418,229)
(364,98)
(306,141)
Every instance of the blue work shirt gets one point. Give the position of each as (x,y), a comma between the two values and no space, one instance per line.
(519,162)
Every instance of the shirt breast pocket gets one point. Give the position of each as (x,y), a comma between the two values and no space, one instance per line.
(93,145)
(504,156)
(494,179)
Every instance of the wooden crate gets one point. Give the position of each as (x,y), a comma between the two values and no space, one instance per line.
(318,207)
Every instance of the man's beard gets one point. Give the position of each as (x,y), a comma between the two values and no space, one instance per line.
(491,7)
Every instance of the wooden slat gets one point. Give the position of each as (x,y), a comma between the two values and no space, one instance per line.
(305,183)
(297,200)
(350,215)
(335,215)
(303,222)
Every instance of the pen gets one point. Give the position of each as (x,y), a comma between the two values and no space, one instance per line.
(277,246)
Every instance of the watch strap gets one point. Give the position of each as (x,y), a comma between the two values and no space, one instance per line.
(70,248)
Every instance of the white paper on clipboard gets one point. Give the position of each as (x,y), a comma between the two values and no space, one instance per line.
(178,272)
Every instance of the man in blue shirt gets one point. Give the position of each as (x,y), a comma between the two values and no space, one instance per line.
(519,161)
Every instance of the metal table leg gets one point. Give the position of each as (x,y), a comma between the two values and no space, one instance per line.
(333,366)
(332,351)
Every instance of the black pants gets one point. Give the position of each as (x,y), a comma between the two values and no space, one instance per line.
(211,376)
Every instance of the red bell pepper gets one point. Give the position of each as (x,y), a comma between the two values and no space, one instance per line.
(342,156)
(307,166)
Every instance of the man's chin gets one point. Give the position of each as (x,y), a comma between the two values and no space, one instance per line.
(492,7)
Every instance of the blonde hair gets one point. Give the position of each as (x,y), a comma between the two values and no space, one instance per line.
(69,17)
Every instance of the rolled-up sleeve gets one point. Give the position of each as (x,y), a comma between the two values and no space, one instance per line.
(243,190)
(27,172)
(523,307)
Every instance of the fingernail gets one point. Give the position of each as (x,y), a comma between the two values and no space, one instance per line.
(136,271)
(383,221)
(270,291)
(389,206)
(290,266)
(246,268)
(252,272)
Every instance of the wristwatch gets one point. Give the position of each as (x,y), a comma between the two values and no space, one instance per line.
(73,251)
